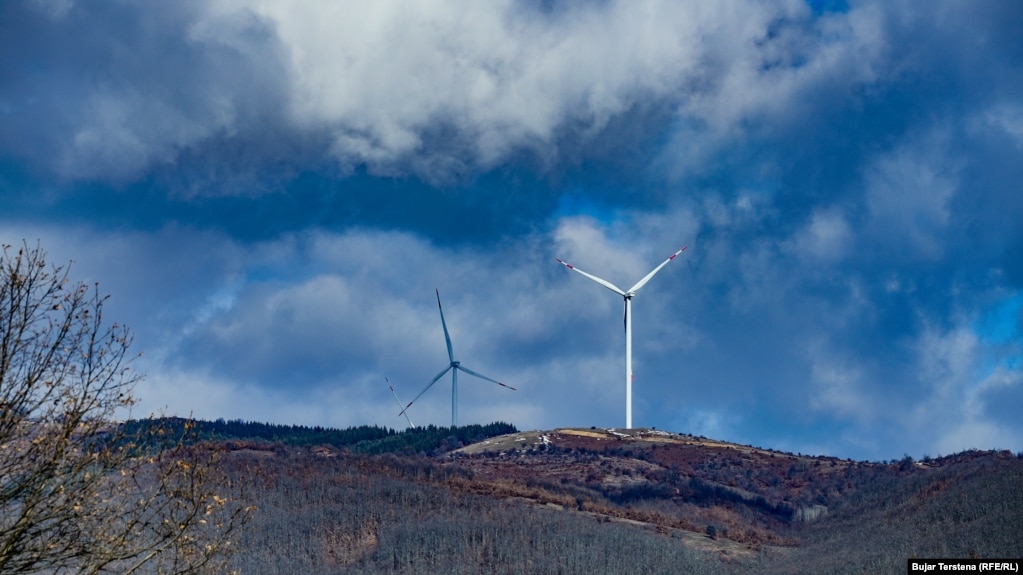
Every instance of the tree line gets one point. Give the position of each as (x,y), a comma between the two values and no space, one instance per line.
(371,439)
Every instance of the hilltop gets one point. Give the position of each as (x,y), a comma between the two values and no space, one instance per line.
(741,493)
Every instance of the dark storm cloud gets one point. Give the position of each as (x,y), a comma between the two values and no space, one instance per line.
(107,91)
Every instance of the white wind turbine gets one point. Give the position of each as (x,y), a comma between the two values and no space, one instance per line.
(627,294)
(395,394)
(453,367)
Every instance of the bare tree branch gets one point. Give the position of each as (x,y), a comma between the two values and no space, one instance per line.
(78,492)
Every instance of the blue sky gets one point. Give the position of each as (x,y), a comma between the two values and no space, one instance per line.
(271,192)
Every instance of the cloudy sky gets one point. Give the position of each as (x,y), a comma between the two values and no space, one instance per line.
(271,192)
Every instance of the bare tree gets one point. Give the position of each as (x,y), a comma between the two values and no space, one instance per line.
(78,493)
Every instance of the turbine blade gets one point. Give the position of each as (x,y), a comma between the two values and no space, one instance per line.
(602,282)
(398,401)
(471,372)
(447,338)
(428,386)
(394,393)
(643,281)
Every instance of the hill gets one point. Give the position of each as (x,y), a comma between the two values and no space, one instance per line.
(614,501)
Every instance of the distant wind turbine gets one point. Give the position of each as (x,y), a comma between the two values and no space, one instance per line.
(627,294)
(453,367)
(395,394)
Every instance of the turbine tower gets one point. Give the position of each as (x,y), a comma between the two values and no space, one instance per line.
(453,367)
(627,294)
(395,394)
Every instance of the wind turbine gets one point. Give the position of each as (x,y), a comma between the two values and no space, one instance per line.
(395,394)
(453,367)
(627,294)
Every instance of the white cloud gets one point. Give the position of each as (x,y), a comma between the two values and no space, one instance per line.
(706,422)
(826,239)
(121,134)
(908,192)
(838,388)
(53,8)
(775,71)
(948,415)
(443,89)
(503,76)
(1004,116)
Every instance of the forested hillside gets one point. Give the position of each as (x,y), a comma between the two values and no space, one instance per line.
(602,501)
(972,506)
(369,514)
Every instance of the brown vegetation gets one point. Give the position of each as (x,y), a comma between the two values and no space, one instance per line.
(597,502)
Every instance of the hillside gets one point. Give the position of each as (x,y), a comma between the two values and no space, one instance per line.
(611,501)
